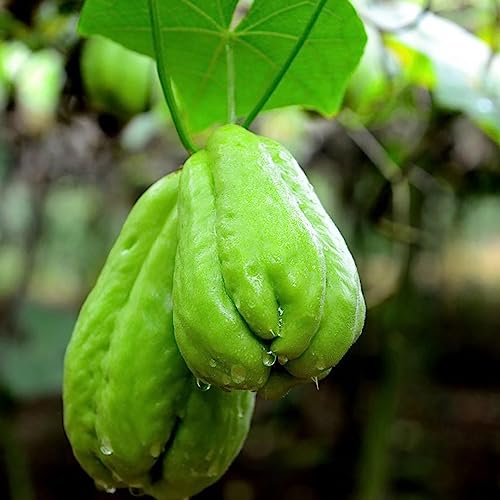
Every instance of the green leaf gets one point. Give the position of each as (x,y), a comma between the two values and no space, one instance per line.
(32,366)
(199,38)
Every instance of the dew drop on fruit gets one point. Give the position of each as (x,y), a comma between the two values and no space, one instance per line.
(212,471)
(238,374)
(268,358)
(155,450)
(101,486)
(280,318)
(212,363)
(202,385)
(106,450)
(283,360)
(136,492)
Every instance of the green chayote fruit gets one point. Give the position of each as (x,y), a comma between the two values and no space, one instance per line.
(115,79)
(132,410)
(261,270)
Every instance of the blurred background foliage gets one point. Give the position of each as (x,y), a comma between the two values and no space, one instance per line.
(409,170)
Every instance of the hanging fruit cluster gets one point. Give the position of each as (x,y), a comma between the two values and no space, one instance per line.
(229,270)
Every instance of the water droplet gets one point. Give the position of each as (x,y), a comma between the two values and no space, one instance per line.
(283,155)
(110,490)
(212,363)
(106,449)
(101,486)
(269,358)
(155,450)
(315,380)
(238,373)
(212,471)
(202,385)
(280,318)
(136,492)
(226,379)
(283,360)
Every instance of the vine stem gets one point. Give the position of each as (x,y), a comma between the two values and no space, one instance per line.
(281,73)
(165,80)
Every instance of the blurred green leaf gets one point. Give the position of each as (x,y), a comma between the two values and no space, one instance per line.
(32,366)
(416,67)
(72,244)
(16,211)
(467,73)
(370,87)
(13,55)
(116,80)
(11,268)
(38,88)
(480,220)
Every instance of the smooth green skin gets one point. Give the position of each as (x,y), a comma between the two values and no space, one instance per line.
(115,79)
(344,313)
(211,335)
(255,241)
(263,241)
(214,428)
(127,391)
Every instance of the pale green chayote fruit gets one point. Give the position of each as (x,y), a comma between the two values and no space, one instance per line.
(133,412)
(261,272)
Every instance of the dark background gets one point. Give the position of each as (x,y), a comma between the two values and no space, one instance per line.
(412,411)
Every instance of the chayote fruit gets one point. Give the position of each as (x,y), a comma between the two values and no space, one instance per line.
(219,271)
(116,80)
(261,271)
(133,412)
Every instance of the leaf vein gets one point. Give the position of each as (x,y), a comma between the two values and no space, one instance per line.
(271,33)
(202,13)
(210,69)
(298,81)
(187,29)
(274,14)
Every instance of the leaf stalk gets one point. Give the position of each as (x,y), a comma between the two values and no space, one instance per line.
(165,79)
